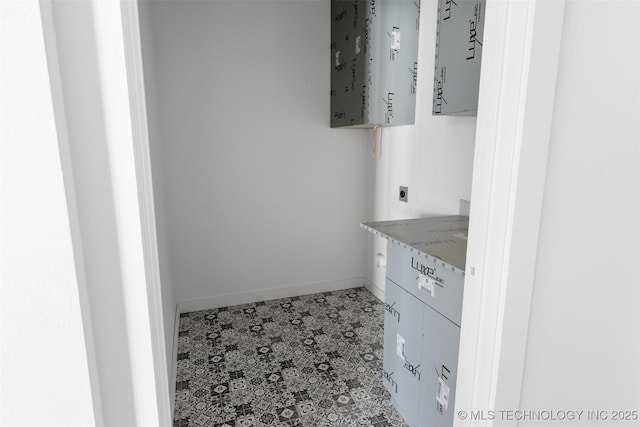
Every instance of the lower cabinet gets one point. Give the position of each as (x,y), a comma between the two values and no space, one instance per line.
(402,350)
(440,345)
(426,258)
(420,359)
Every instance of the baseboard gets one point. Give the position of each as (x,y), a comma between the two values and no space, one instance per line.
(267,294)
(174,361)
(374,289)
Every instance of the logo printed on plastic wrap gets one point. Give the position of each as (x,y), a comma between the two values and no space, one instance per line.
(446,12)
(412,369)
(388,116)
(439,89)
(387,377)
(473,34)
(414,78)
(395,313)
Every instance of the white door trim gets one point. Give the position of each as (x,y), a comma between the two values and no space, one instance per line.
(142,155)
(522,41)
(520,58)
(126,202)
(55,82)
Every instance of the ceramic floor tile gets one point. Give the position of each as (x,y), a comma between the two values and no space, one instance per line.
(309,361)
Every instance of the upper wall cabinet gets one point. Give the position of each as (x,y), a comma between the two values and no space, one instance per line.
(456,77)
(374,62)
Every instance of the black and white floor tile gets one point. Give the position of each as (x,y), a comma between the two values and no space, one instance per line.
(313,360)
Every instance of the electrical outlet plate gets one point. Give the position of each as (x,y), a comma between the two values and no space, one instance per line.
(404,194)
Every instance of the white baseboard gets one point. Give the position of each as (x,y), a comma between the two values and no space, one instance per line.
(374,289)
(268,294)
(174,360)
(249,297)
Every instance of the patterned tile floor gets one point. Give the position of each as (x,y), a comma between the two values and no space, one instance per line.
(313,360)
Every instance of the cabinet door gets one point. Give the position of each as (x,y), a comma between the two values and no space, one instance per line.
(443,288)
(459,42)
(441,342)
(402,350)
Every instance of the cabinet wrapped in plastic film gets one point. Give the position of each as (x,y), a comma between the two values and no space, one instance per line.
(423,313)
(459,41)
(374,62)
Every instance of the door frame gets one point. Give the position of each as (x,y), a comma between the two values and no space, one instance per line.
(116,27)
(142,155)
(522,40)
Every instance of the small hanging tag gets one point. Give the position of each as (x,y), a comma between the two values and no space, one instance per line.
(400,346)
(374,142)
(395,38)
(442,396)
(357,45)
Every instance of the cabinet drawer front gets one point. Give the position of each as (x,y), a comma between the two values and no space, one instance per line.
(402,350)
(441,341)
(427,279)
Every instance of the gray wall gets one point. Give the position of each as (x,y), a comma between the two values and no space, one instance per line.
(584,338)
(258,192)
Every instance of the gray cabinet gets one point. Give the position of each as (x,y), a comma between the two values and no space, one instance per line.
(459,41)
(402,350)
(423,308)
(440,344)
(374,62)
(441,287)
